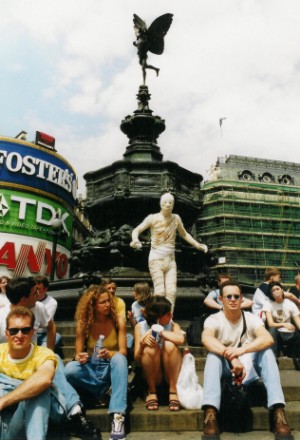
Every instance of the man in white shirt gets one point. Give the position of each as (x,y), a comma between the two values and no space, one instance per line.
(50,303)
(232,337)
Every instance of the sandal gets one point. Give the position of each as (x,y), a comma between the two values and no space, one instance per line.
(152,404)
(174,404)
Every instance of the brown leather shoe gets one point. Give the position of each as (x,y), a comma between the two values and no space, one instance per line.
(281,426)
(210,423)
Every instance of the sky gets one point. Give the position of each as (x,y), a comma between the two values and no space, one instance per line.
(69,69)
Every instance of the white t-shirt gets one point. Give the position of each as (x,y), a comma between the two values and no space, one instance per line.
(51,305)
(259,299)
(282,312)
(3,300)
(42,318)
(230,334)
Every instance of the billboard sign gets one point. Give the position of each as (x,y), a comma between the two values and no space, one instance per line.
(36,184)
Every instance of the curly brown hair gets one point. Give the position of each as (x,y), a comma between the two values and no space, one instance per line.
(85,310)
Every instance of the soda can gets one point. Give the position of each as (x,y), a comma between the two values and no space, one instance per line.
(156,330)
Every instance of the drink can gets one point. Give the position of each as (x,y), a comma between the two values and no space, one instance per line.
(156,330)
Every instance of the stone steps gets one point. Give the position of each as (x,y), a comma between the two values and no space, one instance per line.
(186,420)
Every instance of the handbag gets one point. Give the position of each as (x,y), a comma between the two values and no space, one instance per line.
(236,415)
(189,391)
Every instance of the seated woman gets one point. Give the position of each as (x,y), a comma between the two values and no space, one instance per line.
(280,312)
(159,360)
(95,316)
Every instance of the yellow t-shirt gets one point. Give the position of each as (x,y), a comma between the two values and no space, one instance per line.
(110,342)
(22,369)
(120,306)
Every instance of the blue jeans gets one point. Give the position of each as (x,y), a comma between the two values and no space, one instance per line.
(97,379)
(42,339)
(66,395)
(217,367)
(30,417)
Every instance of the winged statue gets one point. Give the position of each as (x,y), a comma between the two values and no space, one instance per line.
(150,39)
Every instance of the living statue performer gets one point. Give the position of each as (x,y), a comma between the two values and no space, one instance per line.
(151,39)
(162,264)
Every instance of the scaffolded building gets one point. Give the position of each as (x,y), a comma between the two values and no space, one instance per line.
(251,218)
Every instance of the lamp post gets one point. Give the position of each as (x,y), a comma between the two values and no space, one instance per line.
(56,229)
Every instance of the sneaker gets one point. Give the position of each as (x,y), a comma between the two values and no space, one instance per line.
(81,427)
(281,426)
(210,424)
(118,427)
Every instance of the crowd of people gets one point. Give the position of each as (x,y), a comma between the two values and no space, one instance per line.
(244,339)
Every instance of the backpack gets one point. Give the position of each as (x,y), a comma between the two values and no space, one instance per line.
(194,331)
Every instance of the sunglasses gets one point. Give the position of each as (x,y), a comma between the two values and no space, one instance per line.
(229,297)
(15,330)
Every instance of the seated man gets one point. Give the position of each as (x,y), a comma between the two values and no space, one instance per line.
(232,338)
(23,292)
(26,374)
(213,302)
(50,303)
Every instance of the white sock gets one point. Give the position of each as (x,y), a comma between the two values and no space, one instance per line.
(75,410)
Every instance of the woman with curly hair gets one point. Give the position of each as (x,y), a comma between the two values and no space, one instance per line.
(95,316)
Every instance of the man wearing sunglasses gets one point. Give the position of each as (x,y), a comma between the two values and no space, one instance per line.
(235,340)
(26,374)
(22,291)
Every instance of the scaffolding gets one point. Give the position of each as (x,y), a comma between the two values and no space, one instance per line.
(249,226)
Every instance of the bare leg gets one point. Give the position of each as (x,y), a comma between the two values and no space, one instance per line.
(152,368)
(172,360)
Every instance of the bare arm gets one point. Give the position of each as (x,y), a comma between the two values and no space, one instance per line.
(189,239)
(51,334)
(121,336)
(35,385)
(212,343)
(142,341)
(212,304)
(292,297)
(273,324)
(296,320)
(262,341)
(246,303)
(131,319)
(80,355)
(175,335)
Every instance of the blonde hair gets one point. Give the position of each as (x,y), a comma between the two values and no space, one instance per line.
(270,272)
(143,293)
(85,310)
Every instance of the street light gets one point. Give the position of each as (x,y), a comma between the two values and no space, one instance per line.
(56,232)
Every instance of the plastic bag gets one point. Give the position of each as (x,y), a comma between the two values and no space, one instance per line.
(189,391)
